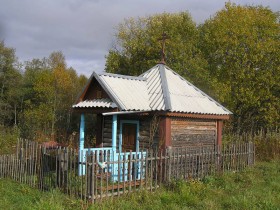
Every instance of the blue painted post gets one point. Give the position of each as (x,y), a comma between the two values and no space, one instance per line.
(114,132)
(114,143)
(81,146)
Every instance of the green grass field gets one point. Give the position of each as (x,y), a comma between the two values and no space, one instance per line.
(255,188)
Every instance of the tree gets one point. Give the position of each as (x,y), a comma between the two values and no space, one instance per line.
(137,48)
(50,89)
(241,45)
(10,80)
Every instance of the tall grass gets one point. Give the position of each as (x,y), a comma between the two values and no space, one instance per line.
(255,188)
(20,196)
(267,143)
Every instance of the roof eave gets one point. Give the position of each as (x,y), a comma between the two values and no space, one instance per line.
(199,116)
(104,86)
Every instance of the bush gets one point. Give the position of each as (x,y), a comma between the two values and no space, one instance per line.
(8,139)
(267,144)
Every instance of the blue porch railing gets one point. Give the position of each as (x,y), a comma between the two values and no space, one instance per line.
(122,166)
(128,166)
(101,157)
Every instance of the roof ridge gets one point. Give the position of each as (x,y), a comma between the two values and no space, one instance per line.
(164,86)
(123,76)
(148,71)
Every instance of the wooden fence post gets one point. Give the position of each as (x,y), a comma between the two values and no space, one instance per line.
(219,157)
(143,170)
(250,154)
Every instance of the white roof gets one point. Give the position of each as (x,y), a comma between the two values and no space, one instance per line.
(104,102)
(185,97)
(130,92)
(160,88)
(156,99)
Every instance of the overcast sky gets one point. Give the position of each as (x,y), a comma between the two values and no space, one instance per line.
(84,29)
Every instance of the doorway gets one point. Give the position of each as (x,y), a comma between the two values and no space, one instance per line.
(129,137)
(129,145)
(129,131)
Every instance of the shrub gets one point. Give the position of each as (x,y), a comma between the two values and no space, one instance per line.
(8,139)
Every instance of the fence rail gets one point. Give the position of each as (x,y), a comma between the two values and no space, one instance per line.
(107,174)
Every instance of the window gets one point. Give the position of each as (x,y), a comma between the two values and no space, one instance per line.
(98,94)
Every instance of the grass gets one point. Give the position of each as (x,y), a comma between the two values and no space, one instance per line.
(255,188)
(20,196)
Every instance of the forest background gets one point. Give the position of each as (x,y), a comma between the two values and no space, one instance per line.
(233,56)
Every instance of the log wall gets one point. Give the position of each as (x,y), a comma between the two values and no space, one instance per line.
(193,132)
(107,131)
(145,141)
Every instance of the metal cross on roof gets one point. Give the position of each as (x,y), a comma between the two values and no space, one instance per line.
(163,39)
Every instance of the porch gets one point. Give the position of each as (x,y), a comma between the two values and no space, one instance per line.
(123,146)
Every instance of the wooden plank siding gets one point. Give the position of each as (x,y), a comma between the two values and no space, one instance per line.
(193,132)
(92,92)
(184,132)
(107,131)
(145,142)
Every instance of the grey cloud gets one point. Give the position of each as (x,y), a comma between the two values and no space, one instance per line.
(2,31)
(83,29)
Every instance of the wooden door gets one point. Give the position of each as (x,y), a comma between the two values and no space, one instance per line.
(129,132)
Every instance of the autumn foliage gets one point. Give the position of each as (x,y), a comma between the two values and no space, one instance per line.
(234,56)
(38,99)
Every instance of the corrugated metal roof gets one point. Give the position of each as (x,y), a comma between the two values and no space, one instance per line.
(130,92)
(166,86)
(156,99)
(104,102)
(159,88)
(187,98)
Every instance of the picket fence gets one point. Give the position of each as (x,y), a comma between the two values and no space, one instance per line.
(103,177)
